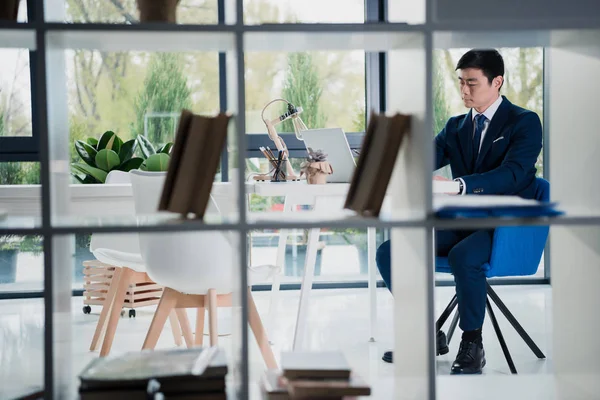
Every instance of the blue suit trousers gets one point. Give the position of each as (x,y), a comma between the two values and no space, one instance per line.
(467,252)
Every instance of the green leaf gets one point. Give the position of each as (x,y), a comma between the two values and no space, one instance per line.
(96,173)
(105,139)
(158,162)
(117,145)
(92,142)
(166,149)
(127,150)
(145,146)
(90,179)
(114,144)
(78,178)
(132,163)
(107,160)
(86,152)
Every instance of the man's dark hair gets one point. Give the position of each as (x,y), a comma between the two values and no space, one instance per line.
(490,62)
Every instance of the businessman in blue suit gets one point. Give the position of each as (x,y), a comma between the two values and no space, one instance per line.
(491,150)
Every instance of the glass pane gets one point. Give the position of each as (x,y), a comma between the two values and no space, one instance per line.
(15,93)
(19,173)
(329,86)
(308,11)
(523,85)
(21,320)
(136,93)
(127,12)
(21,263)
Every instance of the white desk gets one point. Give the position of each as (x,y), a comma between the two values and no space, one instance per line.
(328,197)
(323,198)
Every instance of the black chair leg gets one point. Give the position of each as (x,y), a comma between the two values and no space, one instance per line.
(509,360)
(452,327)
(447,312)
(513,321)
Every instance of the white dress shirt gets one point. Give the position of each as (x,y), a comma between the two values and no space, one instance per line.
(489,114)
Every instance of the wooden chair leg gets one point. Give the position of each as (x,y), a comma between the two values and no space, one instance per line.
(259,333)
(174,322)
(185,326)
(212,317)
(115,311)
(106,307)
(167,303)
(199,337)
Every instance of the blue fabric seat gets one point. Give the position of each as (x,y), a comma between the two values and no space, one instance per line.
(516,251)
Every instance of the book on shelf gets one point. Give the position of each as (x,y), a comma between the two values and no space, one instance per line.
(277,387)
(179,371)
(382,142)
(315,365)
(311,389)
(271,386)
(195,157)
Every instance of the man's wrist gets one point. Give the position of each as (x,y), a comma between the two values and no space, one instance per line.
(461,186)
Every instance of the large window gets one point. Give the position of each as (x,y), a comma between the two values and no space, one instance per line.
(523,84)
(126,11)
(307,11)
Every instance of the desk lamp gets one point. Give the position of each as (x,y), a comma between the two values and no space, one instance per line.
(293,112)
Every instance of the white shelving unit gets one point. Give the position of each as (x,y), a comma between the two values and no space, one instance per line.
(573,51)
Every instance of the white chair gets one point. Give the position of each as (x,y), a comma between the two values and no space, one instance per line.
(122,252)
(196,269)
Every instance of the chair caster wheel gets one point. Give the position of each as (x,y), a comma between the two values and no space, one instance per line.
(87,309)
(131,313)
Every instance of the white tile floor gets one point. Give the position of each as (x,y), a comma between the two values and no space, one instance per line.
(338,319)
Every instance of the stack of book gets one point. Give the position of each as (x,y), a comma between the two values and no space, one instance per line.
(196,373)
(313,375)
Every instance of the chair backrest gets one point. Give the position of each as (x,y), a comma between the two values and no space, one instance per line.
(517,251)
(542,192)
(189,262)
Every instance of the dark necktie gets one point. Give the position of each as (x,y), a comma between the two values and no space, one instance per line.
(479,125)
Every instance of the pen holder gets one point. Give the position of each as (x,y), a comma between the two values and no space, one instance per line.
(278,174)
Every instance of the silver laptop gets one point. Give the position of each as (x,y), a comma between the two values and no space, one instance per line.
(333,142)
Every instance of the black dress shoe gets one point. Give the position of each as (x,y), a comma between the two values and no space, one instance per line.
(470,358)
(440,344)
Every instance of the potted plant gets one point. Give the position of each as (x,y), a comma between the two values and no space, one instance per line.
(154,159)
(158,10)
(10,246)
(316,167)
(9,10)
(111,153)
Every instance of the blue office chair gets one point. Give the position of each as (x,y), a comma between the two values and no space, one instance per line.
(516,251)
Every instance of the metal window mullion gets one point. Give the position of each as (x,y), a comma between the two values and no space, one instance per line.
(223,91)
(40,125)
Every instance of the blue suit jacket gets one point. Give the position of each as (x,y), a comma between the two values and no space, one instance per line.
(506,161)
